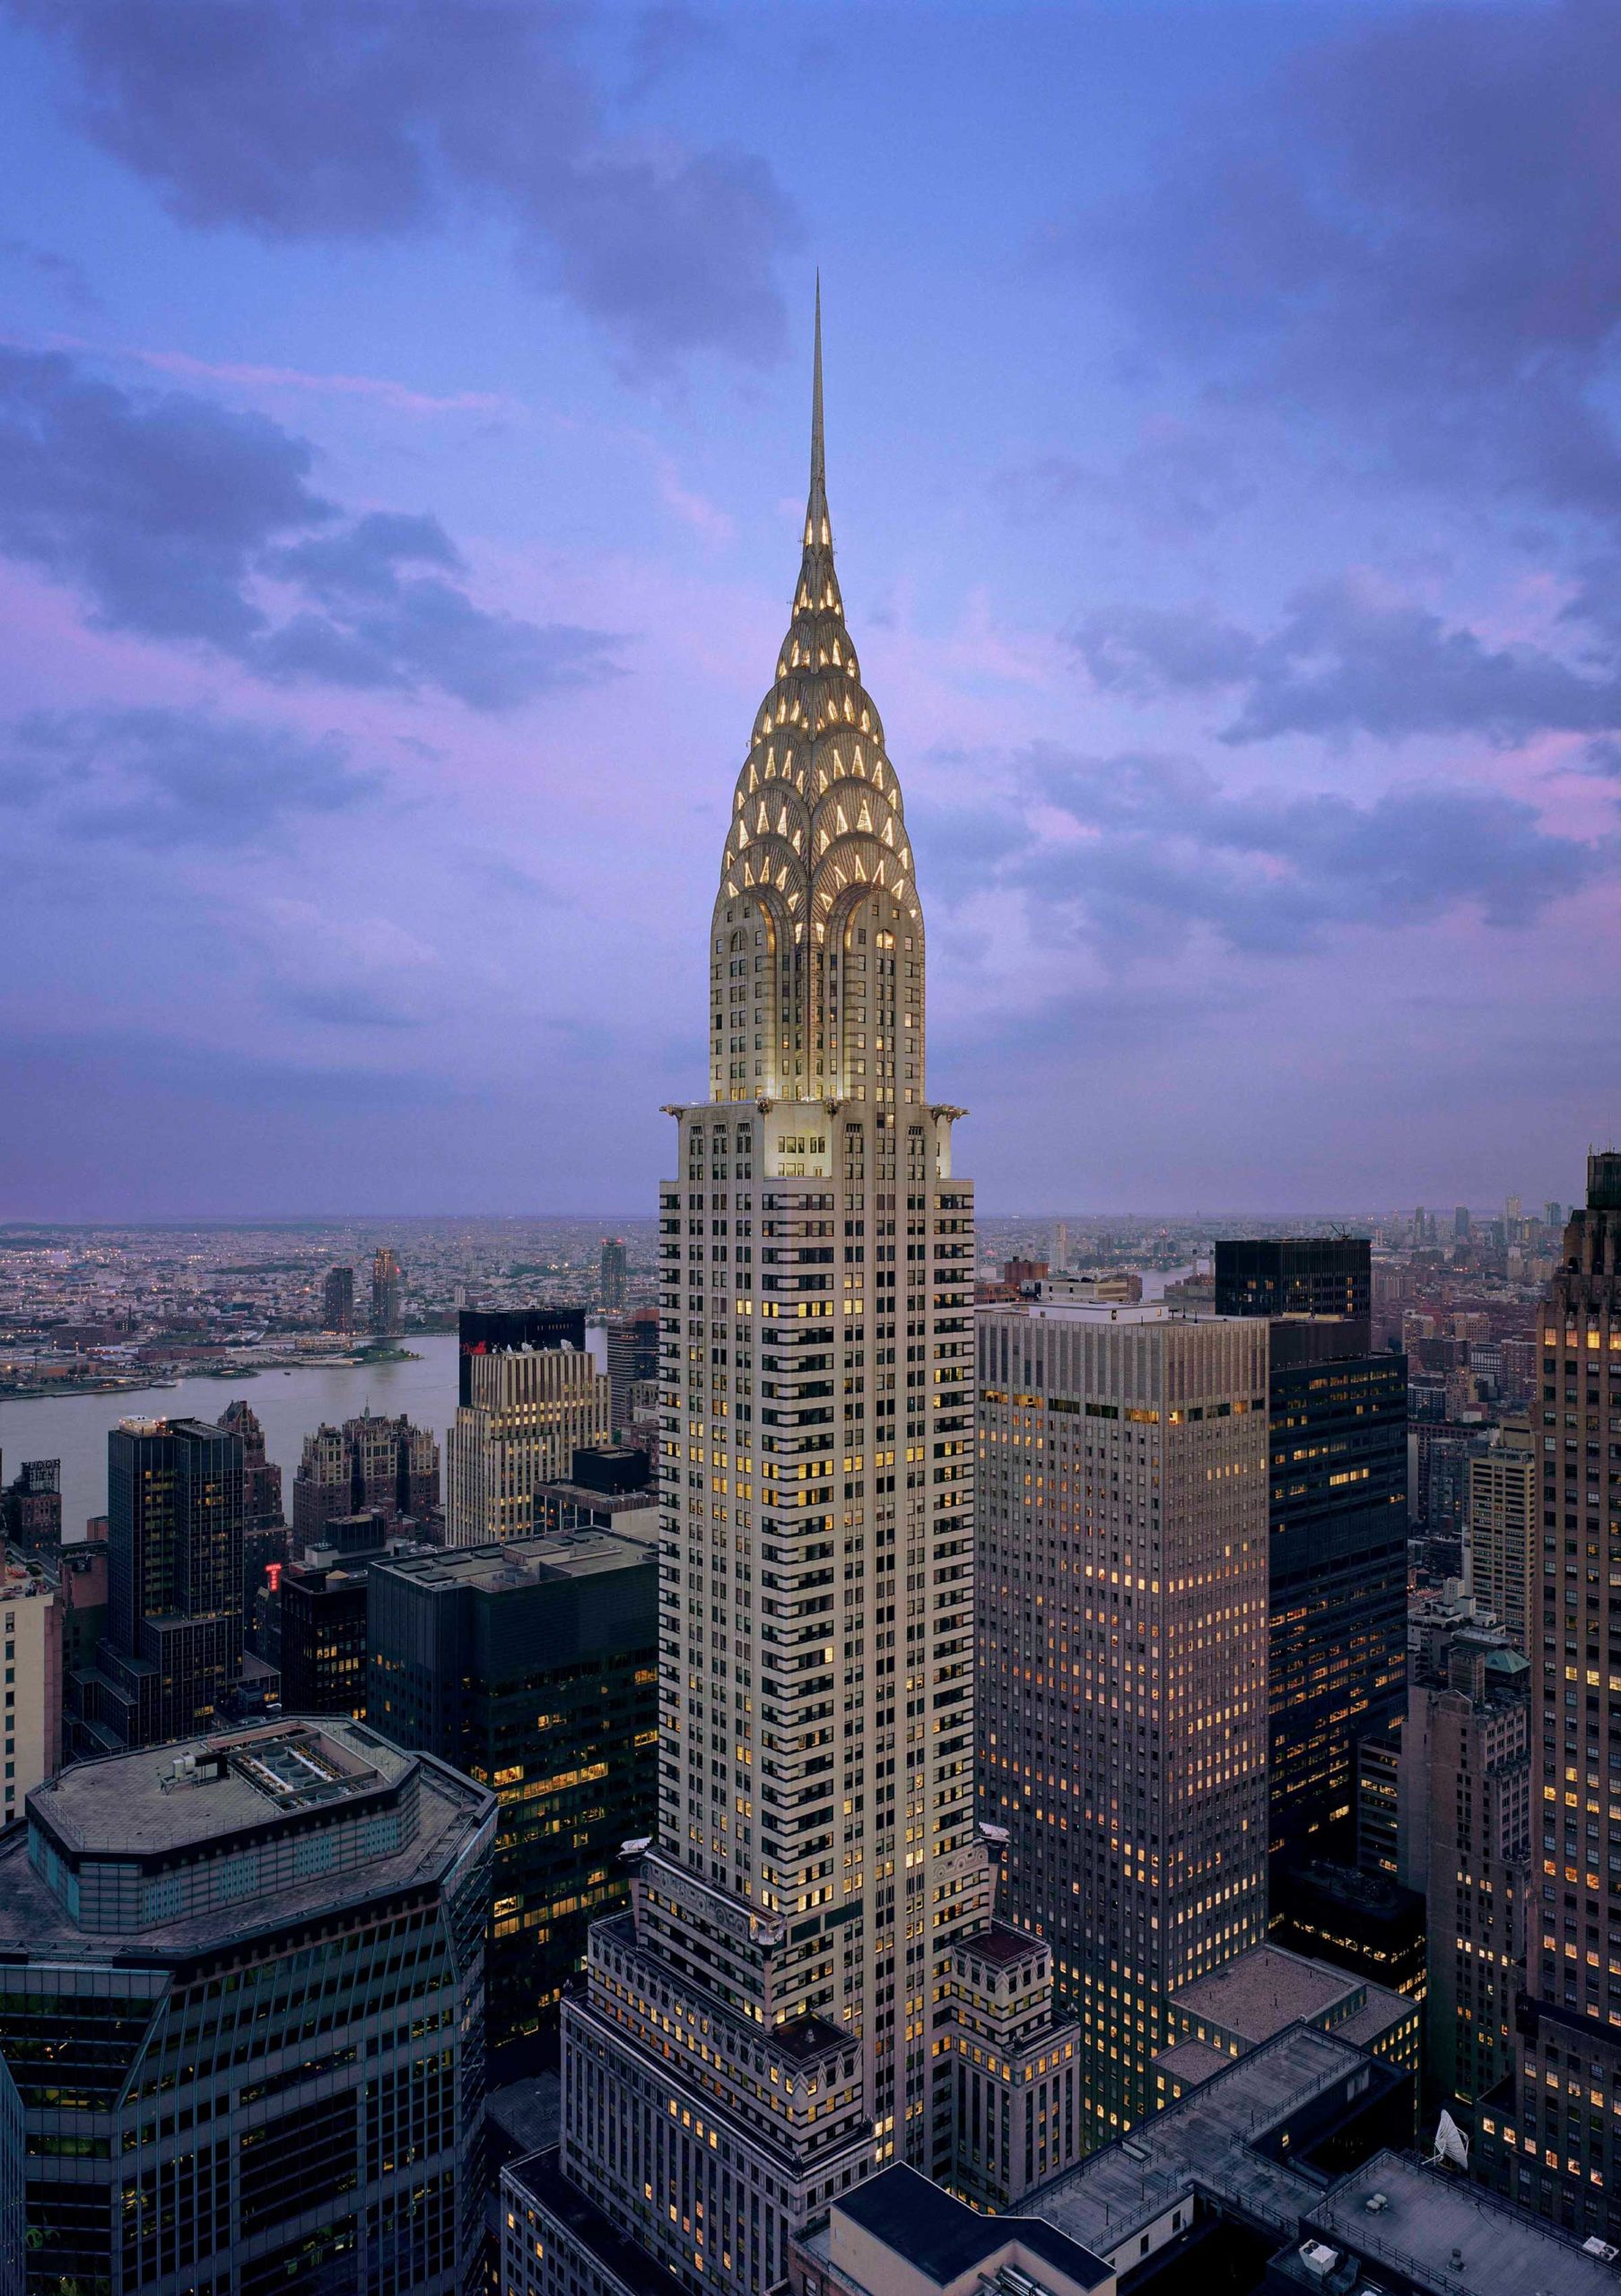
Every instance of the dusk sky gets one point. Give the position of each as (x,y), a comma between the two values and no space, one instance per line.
(403,438)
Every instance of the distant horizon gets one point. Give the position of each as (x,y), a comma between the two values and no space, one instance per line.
(606,1221)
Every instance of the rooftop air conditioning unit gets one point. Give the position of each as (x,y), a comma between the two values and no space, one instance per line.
(1319,2258)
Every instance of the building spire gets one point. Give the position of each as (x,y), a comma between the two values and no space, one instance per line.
(818,533)
(818,445)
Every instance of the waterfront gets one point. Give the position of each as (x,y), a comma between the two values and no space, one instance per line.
(290,1405)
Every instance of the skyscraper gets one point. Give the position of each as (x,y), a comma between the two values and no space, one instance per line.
(261,1477)
(1568,2165)
(31,1618)
(531,1409)
(615,1274)
(1337,1545)
(30,1506)
(486,1331)
(243,2004)
(370,1461)
(1464,1844)
(173,1647)
(1504,1530)
(337,1300)
(776,2014)
(385,1320)
(533,1666)
(1122,1677)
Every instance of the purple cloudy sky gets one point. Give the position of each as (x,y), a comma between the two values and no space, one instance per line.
(403,423)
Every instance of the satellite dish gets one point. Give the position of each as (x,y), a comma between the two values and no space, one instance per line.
(1451,2145)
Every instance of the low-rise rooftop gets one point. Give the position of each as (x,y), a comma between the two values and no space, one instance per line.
(501,1564)
(1211,2140)
(1440,2234)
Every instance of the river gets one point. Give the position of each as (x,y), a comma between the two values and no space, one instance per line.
(290,1405)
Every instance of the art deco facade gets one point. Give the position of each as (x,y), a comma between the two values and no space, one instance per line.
(775,2016)
(1464,1843)
(1122,1523)
(370,1461)
(1564,2145)
(530,1409)
(1505,1530)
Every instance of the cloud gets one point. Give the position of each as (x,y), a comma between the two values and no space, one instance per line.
(1345,660)
(344,1008)
(1135,854)
(375,624)
(363,119)
(61,272)
(168,512)
(1177,480)
(1164,848)
(383,390)
(1415,231)
(167,777)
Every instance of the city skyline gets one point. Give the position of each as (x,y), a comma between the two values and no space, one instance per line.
(357,779)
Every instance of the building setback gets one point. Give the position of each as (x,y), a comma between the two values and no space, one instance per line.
(370,1461)
(241,2005)
(532,1666)
(1121,1565)
(1281,2172)
(30,1506)
(493,1331)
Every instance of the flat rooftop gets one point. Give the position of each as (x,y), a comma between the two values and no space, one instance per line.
(503,1564)
(1209,2139)
(133,1805)
(540,2178)
(946,2239)
(1191,2062)
(1110,1311)
(1263,1990)
(1431,2217)
(1001,1944)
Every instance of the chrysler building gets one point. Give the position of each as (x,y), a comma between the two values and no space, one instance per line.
(809,1985)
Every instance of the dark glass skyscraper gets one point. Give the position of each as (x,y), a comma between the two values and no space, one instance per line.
(386,1310)
(494,1331)
(243,2004)
(173,1647)
(533,1666)
(1336,1577)
(337,1300)
(1294,1275)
